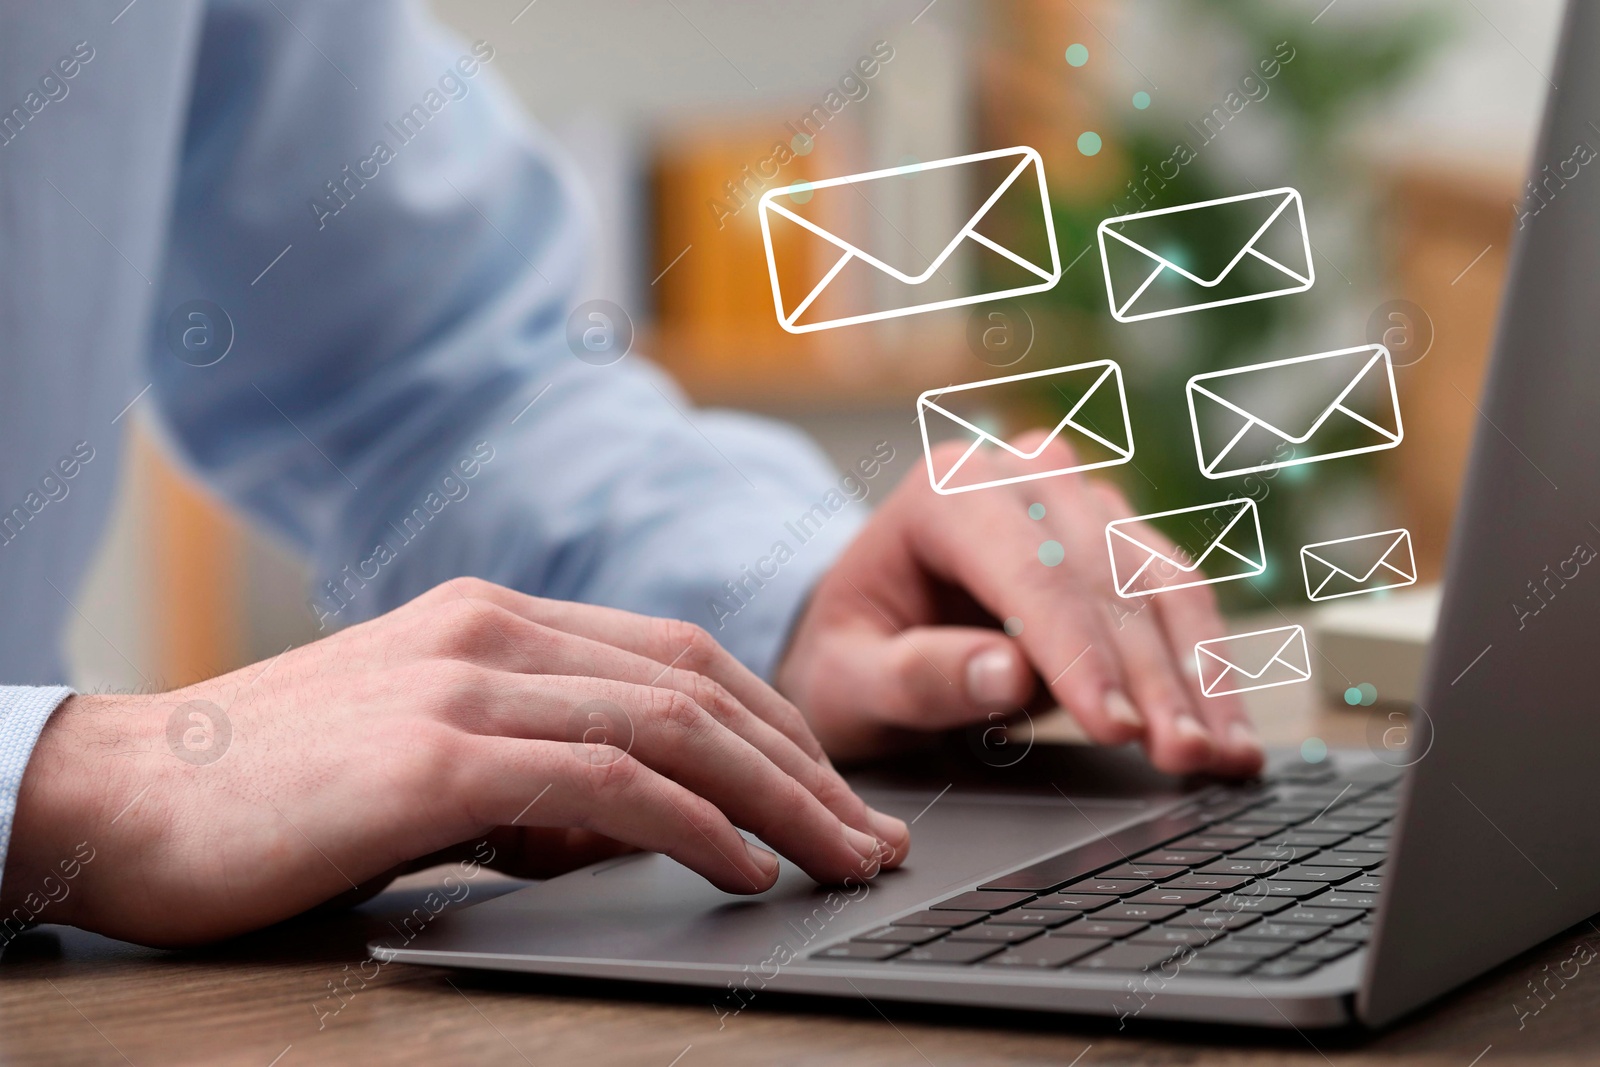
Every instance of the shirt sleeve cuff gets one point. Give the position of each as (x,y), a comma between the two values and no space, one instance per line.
(23,713)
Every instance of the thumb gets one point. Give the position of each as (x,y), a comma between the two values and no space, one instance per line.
(932,677)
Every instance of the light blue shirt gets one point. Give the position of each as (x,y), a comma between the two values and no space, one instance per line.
(396,311)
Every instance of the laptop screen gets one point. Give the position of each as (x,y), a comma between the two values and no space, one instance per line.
(1498,843)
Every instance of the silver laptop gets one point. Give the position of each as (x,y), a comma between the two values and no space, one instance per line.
(1351,890)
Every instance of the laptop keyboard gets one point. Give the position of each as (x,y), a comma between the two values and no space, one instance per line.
(1271,881)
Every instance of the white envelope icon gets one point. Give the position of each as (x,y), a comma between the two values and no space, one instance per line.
(1226,535)
(1258,660)
(839,227)
(1293,411)
(1095,425)
(1351,566)
(1168,261)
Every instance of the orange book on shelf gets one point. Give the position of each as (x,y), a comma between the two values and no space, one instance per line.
(714,310)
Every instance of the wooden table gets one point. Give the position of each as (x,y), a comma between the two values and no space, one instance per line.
(71,997)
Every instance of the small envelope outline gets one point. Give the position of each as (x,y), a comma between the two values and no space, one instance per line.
(1390,541)
(1118,530)
(1292,655)
(1379,355)
(1112,228)
(929,401)
(1028,159)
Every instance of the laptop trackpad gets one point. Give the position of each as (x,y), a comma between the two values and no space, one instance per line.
(647,907)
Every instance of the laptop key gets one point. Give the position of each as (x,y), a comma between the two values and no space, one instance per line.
(1365,884)
(1206,919)
(1343,898)
(1028,917)
(1360,932)
(1252,868)
(1072,902)
(1178,857)
(1151,913)
(1340,858)
(1097,927)
(1324,950)
(1273,930)
(1149,872)
(1285,968)
(1127,956)
(1211,843)
(1227,807)
(1186,898)
(1315,872)
(1045,954)
(1115,886)
(948,919)
(1234,903)
(1365,844)
(1177,935)
(949,952)
(1343,824)
(1280,852)
(1276,887)
(979,900)
(1218,882)
(1370,809)
(1320,916)
(902,935)
(861,950)
(1245,949)
(1313,838)
(993,932)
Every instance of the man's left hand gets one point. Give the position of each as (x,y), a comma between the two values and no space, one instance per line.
(904,633)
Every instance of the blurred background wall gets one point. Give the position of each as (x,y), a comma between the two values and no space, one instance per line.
(1407,124)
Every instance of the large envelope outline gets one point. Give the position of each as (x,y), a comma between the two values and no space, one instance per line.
(1386,562)
(1129,230)
(1140,569)
(789,311)
(1098,375)
(1258,660)
(1205,406)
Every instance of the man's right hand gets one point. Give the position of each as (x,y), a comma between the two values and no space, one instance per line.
(469,709)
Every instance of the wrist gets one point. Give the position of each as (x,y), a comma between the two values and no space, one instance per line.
(57,817)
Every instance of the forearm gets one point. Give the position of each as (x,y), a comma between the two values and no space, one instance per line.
(604,492)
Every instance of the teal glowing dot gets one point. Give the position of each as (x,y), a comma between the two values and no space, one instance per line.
(800,192)
(1313,750)
(1013,627)
(1035,511)
(1051,553)
(1077,55)
(1141,100)
(1369,694)
(1352,696)
(802,144)
(1089,143)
